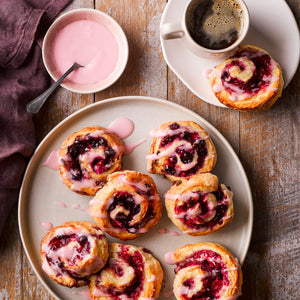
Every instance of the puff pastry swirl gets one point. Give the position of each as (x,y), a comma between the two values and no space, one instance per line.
(249,80)
(181,149)
(205,271)
(130,273)
(72,252)
(198,205)
(87,157)
(127,206)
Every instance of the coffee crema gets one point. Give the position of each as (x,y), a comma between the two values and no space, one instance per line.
(214,24)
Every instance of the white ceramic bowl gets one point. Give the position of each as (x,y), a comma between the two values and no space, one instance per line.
(92,15)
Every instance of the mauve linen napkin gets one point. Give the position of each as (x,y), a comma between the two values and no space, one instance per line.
(22,78)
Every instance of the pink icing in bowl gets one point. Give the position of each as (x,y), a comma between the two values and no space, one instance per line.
(89,30)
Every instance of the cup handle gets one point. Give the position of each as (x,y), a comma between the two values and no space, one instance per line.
(171,31)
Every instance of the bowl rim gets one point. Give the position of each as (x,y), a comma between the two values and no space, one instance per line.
(122,63)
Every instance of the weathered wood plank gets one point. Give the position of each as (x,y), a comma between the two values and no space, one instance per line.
(269,149)
(11,255)
(146,71)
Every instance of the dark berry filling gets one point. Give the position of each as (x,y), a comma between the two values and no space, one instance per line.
(185,156)
(257,82)
(198,222)
(83,145)
(122,220)
(174,126)
(189,283)
(134,288)
(210,262)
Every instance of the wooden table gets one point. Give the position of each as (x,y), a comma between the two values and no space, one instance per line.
(267,144)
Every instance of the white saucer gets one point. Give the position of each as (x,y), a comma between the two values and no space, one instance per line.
(277,35)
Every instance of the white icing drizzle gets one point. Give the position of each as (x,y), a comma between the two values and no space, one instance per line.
(98,133)
(188,166)
(139,185)
(168,152)
(171,151)
(182,197)
(159,133)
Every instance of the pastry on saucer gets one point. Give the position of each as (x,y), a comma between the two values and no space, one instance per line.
(130,273)
(127,206)
(87,157)
(205,271)
(249,80)
(70,253)
(181,149)
(199,205)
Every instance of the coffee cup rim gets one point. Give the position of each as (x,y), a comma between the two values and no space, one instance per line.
(244,31)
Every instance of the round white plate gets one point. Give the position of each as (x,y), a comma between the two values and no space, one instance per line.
(42,187)
(272,27)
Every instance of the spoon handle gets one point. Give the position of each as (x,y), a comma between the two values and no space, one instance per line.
(35,105)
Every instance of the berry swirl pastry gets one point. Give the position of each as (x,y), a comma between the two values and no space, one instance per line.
(205,271)
(127,206)
(249,80)
(198,205)
(130,273)
(72,252)
(181,149)
(87,157)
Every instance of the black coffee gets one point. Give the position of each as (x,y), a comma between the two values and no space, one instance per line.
(214,24)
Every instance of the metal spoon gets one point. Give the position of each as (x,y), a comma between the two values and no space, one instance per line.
(35,105)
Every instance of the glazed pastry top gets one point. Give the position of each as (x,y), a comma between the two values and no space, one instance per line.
(131,273)
(73,251)
(198,205)
(246,74)
(181,149)
(250,79)
(205,271)
(87,157)
(127,206)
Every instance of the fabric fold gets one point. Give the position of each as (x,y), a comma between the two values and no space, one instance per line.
(22,78)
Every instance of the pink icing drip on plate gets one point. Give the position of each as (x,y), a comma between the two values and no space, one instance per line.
(48,226)
(52,160)
(61,204)
(174,233)
(206,72)
(130,147)
(77,206)
(169,258)
(165,231)
(122,127)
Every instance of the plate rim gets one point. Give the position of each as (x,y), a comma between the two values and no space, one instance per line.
(21,217)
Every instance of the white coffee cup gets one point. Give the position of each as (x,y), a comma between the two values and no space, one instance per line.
(181,29)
